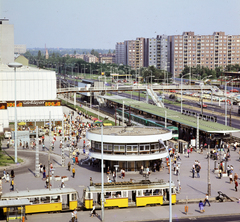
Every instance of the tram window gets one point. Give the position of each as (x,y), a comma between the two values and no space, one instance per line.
(55,199)
(34,200)
(116,194)
(139,193)
(74,196)
(157,192)
(147,192)
(45,199)
(124,193)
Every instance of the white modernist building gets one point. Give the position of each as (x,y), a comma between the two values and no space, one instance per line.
(129,147)
(36,96)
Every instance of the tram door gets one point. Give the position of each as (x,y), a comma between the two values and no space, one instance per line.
(166,194)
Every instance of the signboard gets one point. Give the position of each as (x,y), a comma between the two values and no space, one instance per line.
(30,103)
(3,105)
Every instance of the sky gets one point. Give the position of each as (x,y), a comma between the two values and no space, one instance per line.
(99,24)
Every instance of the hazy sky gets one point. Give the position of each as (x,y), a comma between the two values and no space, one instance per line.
(99,24)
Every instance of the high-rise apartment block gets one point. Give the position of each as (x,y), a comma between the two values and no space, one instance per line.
(6,42)
(158,52)
(173,53)
(217,50)
(120,51)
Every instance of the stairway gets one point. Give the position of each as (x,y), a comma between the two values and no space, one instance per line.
(155,98)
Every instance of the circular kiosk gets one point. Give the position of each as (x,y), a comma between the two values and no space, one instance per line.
(129,148)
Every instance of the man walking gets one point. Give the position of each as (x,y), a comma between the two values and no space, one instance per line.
(206,201)
(73,171)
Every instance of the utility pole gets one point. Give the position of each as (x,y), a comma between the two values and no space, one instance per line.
(49,150)
(63,157)
(37,155)
(209,183)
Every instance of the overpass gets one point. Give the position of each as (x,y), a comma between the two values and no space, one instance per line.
(131,88)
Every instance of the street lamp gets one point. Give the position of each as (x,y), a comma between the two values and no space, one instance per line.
(15,65)
(102,193)
(202,92)
(181,88)
(226,98)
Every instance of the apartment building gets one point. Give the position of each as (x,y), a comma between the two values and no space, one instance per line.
(158,52)
(6,41)
(20,49)
(120,50)
(217,50)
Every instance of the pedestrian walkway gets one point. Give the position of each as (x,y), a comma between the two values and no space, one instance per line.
(193,189)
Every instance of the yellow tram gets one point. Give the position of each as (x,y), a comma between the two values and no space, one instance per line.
(45,200)
(129,194)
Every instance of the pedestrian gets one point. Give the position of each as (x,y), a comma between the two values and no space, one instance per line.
(188,151)
(69,166)
(73,172)
(91,181)
(193,171)
(43,139)
(44,174)
(7,178)
(206,201)
(230,178)
(114,176)
(235,177)
(93,212)
(201,206)
(197,167)
(236,185)
(141,171)
(12,174)
(4,174)
(220,174)
(12,184)
(74,215)
(179,186)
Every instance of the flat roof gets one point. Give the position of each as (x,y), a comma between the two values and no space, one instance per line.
(14,203)
(191,121)
(129,131)
(38,192)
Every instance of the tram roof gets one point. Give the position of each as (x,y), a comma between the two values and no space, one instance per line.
(191,121)
(14,203)
(129,186)
(39,192)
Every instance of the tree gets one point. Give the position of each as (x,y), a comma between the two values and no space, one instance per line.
(109,51)
(39,54)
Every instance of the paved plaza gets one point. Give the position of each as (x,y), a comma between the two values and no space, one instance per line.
(193,189)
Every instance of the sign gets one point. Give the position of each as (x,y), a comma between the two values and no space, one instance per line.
(3,105)
(30,103)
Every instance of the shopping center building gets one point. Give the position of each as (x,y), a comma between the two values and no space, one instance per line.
(129,147)
(36,96)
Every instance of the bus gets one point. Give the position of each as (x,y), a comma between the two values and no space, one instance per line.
(129,194)
(137,119)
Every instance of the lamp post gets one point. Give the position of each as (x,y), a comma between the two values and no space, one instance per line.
(226,98)
(15,65)
(102,187)
(181,88)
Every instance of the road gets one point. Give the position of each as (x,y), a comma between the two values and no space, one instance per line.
(191,105)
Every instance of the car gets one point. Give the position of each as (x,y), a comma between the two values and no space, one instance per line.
(178,100)
(202,105)
(234,90)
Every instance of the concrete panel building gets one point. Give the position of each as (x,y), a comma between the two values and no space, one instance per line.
(120,50)
(6,42)
(217,50)
(20,49)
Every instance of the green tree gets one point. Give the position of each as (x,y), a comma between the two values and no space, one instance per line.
(39,54)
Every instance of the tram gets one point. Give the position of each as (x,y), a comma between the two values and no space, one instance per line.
(150,122)
(129,194)
(45,200)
